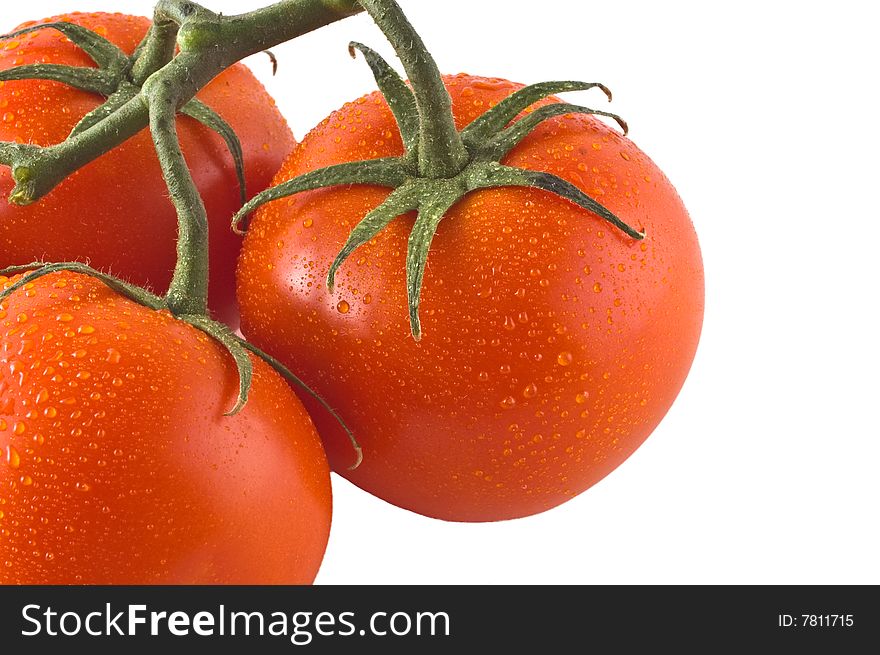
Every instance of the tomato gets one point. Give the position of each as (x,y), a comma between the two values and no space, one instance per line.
(553,344)
(119,464)
(115,212)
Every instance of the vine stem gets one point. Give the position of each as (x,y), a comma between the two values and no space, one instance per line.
(442,153)
(209,42)
(188,290)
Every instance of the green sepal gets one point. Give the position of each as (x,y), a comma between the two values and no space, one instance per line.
(92,80)
(114,101)
(499,117)
(201,112)
(497,147)
(431,212)
(103,52)
(37,270)
(226,338)
(284,372)
(389,172)
(492,175)
(397,94)
(401,200)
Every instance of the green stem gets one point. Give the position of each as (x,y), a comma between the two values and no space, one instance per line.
(42,169)
(441,150)
(265,28)
(188,291)
(210,43)
(156,50)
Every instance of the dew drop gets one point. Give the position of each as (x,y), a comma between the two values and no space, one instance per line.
(12,457)
(564,358)
(508,403)
(64,318)
(581,398)
(530,391)
(343,307)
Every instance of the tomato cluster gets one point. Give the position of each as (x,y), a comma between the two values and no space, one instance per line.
(553,343)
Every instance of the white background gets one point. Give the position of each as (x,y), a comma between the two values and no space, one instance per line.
(765,116)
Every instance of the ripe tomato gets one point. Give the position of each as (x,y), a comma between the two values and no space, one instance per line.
(115,212)
(553,344)
(119,466)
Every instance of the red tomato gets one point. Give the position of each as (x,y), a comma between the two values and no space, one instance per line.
(553,344)
(115,212)
(119,466)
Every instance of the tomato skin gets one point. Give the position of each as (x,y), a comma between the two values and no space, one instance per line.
(553,344)
(115,212)
(119,465)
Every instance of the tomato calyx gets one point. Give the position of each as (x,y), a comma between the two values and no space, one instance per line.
(237,347)
(440,165)
(118,78)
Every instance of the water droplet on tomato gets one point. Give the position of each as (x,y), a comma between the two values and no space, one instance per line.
(530,391)
(564,358)
(12,457)
(581,398)
(64,318)
(342,307)
(508,403)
